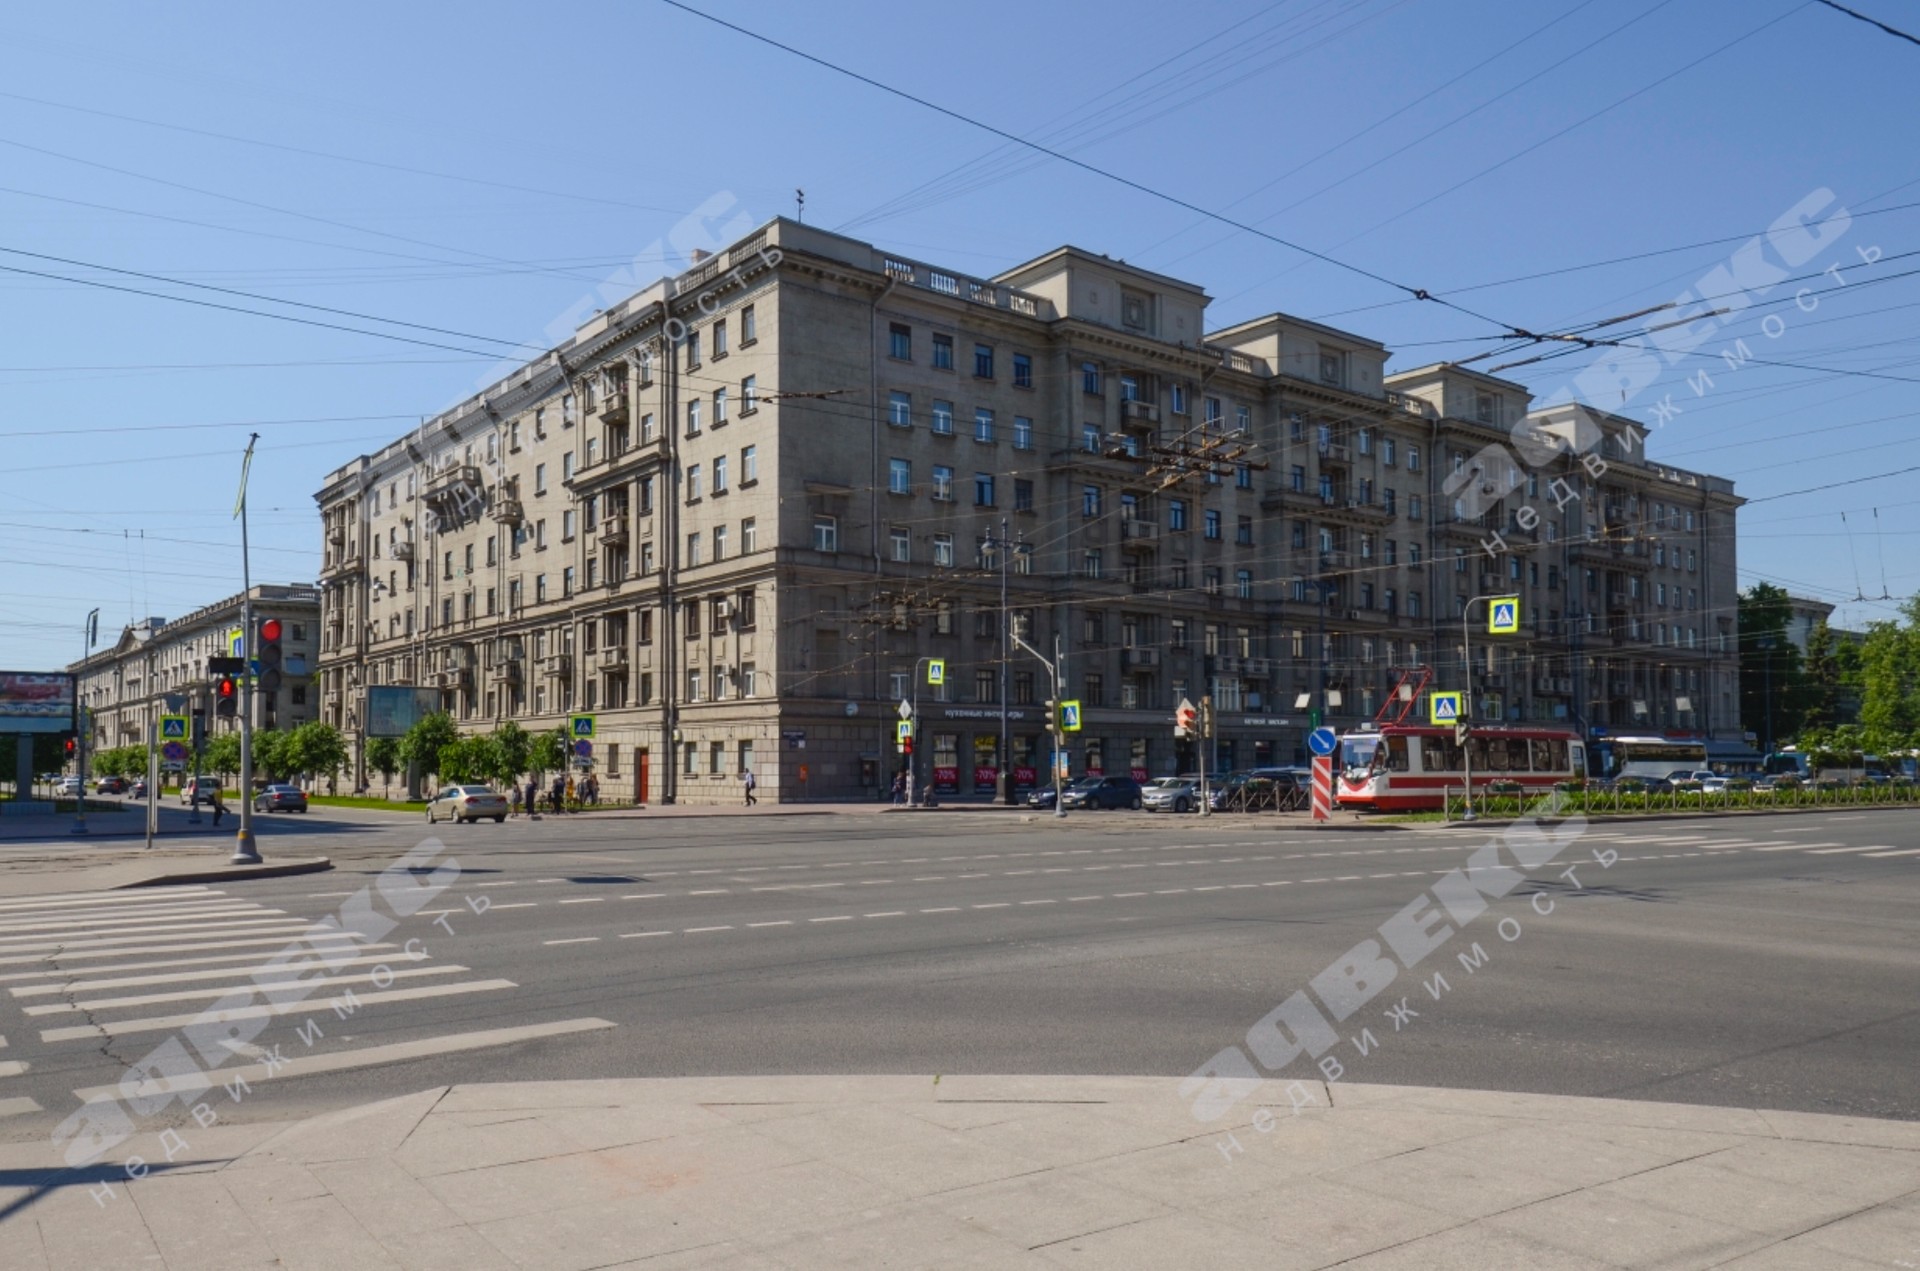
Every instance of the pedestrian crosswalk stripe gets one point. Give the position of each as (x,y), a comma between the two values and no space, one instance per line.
(251,969)
(12,1067)
(67,955)
(160,1023)
(130,922)
(346,1060)
(266,987)
(132,899)
(245,927)
(1905,851)
(1839,851)
(17,1107)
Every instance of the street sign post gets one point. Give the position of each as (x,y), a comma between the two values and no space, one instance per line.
(1322,787)
(579,726)
(1323,741)
(174,752)
(583,749)
(905,709)
(1444,708)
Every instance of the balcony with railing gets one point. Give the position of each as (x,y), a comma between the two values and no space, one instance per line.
(1138,534)
(613,407)
(613,533)
(556,665)
(614,657)
(1138,659)
(913,273)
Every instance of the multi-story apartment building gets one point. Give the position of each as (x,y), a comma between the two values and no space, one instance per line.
(125,687)
(736,515)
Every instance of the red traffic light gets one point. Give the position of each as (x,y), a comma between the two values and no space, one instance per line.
(270,629)
(225,688)
(69,745)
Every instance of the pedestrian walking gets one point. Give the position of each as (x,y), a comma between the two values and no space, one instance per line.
(557,796)
(899,788)
(571,799)
(593,789)
(746,779)
(533,795)
(219,808)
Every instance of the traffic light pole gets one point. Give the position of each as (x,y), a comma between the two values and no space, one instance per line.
(1053,721)
(244,850)
(83,730)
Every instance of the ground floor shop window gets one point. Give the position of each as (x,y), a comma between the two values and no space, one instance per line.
(1096,758)
(1137,759)
(986,762)
(946,762)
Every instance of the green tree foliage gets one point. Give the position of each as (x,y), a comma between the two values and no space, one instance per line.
(514,747)
(383,757)
(424,741)
(1823,678)
(1775,699)
(318,748)
(550,751)
(273,759)
(1890,675)
(222,755)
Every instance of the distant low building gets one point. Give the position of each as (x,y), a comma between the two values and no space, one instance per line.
(124,688)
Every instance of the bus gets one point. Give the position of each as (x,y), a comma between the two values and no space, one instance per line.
(1847,766)
(1408,767)
(1649,758)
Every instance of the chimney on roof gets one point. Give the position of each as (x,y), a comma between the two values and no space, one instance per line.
(699,254)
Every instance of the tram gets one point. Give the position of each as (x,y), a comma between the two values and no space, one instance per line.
(1409,768)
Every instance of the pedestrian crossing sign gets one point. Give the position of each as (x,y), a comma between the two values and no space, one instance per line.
(1444,708)
(581,726)
(936,671)
(237,642)
(1069,717)
(902,732)
(173,728)
(1503,615)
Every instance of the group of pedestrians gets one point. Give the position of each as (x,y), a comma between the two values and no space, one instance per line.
(562,796)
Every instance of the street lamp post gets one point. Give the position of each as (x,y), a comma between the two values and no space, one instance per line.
(1004,548)
(1053,724)
(83,722)
(1766,647)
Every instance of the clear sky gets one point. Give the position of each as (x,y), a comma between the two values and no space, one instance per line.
(488,168)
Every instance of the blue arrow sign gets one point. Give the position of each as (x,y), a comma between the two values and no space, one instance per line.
(1323,741)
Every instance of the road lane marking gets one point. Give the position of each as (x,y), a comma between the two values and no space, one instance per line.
(891,913)
(784,922)
(944,909)
(835,918)
(1905,851)
(641,935)
(585,900)
(215,992)
(573,940)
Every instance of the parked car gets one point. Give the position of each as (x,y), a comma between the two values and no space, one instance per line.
(467,803)
(198,790)
(1171,794)
(111,785)
(280,798)
(70,786)
(1103,792)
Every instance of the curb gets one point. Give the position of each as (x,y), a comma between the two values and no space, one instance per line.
(1635,818)
(278,869)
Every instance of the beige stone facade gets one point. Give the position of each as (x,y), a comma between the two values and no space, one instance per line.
(736,515)
(125,687)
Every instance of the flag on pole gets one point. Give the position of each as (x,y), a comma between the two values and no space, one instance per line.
(246,464)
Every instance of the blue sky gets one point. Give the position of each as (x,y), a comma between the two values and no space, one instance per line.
(487,168)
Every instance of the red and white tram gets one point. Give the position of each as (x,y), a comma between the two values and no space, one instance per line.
(1405,767)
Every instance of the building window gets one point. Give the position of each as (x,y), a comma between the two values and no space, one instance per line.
(749,465)
(566,581)
(943,418)
(899,476)
(749,536)
(1090,438)
(983,361)
(1090,564)
(1176,514)
(1089,377)
(1243,476)
(1177,398)
(1213,525)
(900,342)
(900,409)
(1413,458)
(749,395)
(693,548)
(693,483)
(1386,451)
(1022,371)
(901,542)
(749,329)
(719,338)
(1414,510)
(1243,532)
(826,534)
(983,489)
(942,483)
(1243,584)
(1022,495)
(983,425)
(539,478)
(943,550)
(719,544)
(719,407)
(693,417)
(943,352)
(719,474)
(1022,433)
(1090,500)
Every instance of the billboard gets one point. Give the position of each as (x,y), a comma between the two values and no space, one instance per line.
(394,708)
(35,703)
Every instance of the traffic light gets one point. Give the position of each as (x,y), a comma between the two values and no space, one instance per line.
(226,697)
(266,650)
(1184,719)
(70,747)
(906,745)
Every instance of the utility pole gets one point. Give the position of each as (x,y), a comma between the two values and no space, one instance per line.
(1004,548)
(83,730)
(244,850)
(1055,668)
(1212,752)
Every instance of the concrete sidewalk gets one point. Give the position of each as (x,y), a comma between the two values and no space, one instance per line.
(1035,1172)
(86,866)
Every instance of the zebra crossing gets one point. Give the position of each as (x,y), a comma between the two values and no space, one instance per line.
(80,970)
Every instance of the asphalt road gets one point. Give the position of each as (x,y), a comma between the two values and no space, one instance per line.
(1756,961)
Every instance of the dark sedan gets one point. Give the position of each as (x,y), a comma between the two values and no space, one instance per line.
(280,799)
(1103,792)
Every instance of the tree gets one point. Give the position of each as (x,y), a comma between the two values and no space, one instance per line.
(468,759)
(1773,694)
(423,742)
(1890,674)
(273,759)
(513,746)
(1823,678)
(222,754)
(317,747)
(550,751)
(383,756)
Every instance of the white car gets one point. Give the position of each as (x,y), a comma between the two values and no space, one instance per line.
(467,803)
(70,785)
